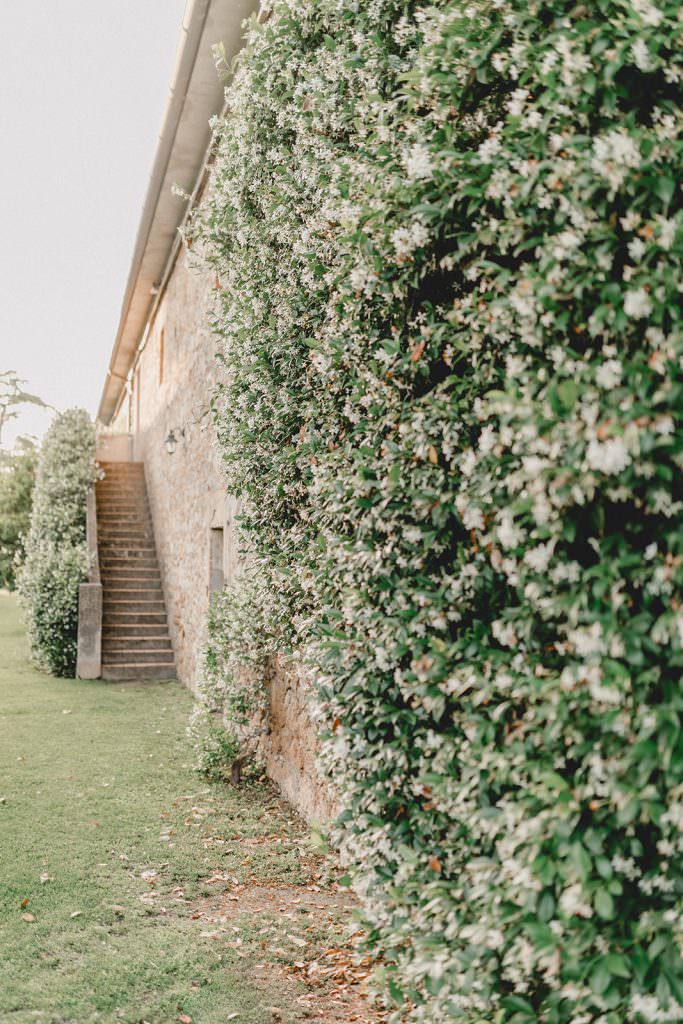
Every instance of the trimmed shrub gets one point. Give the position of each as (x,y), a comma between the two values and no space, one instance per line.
(449,244)
(56,552)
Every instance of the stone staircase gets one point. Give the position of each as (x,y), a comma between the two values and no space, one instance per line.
(135,639)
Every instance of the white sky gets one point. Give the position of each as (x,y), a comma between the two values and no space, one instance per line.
(83,87)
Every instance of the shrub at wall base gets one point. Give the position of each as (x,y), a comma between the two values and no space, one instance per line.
(57,559)
(448,240)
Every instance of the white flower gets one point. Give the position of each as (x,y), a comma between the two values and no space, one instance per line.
(489,148)
(533,119)
(517,101)
(650,14)
(487,440)
(637,303)
(406,240)
(504,633)
(641,55)
(573,904)
(418,162)
(468,462)
(538,558)
(613,154)
(362,279)
(608,374)
(608,456)
(636,249)
(508,534)
(667,233)
(588,641)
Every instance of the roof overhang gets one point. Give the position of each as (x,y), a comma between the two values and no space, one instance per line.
(196,94)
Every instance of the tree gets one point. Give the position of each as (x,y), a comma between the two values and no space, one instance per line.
(17,477)
(12,396)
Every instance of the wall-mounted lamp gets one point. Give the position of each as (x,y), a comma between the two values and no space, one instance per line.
(171,441)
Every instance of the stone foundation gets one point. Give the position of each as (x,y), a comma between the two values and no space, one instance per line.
(292,746)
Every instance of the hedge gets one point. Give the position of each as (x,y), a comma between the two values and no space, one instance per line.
(447,239)
(57,558)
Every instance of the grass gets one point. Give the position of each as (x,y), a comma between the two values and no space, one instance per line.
(107,841)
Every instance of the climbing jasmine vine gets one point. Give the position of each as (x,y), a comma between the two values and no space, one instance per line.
(449,239)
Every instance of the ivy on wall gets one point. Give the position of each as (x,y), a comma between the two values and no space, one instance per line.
(449,244)
(57,560)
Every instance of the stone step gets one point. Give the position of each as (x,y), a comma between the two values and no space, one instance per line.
(116,583)
(133,620)
(113,563)
(137,656)
(131,570)
(125,537)
(121,484)
(151,592)
(107,519)
(110,645)
(122,511)
(122,492)
(118,526)
(115,499)
(123,469)
(129,607)
(134,671)
(122,530)
(113,550)
(111,473)
(128,630)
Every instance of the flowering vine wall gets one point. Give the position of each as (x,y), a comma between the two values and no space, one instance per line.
(448,241)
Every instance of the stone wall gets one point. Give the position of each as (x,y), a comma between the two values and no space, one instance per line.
(292,747)
(193,518)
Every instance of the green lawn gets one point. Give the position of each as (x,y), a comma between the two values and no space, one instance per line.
(106,838)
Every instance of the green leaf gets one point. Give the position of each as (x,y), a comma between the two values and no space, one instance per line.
(604,905)
(665,188)
(568,392)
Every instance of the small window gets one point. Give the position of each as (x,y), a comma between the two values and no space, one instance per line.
(162,340)
(216,574)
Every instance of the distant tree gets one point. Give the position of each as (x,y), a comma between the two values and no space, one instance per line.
(13,396)
(17,478)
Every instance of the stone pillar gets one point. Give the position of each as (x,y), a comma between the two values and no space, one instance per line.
(89,659)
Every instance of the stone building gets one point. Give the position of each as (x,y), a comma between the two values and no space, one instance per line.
(154,405)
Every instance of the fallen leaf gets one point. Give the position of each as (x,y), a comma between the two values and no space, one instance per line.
(185,1019)
(29,918)
(46,878)
(76,913)
(435,864)
(433,455)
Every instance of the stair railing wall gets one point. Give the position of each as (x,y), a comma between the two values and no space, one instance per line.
(89,659)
